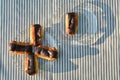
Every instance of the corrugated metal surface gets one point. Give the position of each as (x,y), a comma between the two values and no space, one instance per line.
(92,54)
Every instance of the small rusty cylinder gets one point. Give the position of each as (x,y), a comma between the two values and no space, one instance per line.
(31,64)
(49,53)
(71,23)
(36,34)
(19,47)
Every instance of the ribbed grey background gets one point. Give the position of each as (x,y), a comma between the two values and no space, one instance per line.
(86,56)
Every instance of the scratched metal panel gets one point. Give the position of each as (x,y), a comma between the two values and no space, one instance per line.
(92,54)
